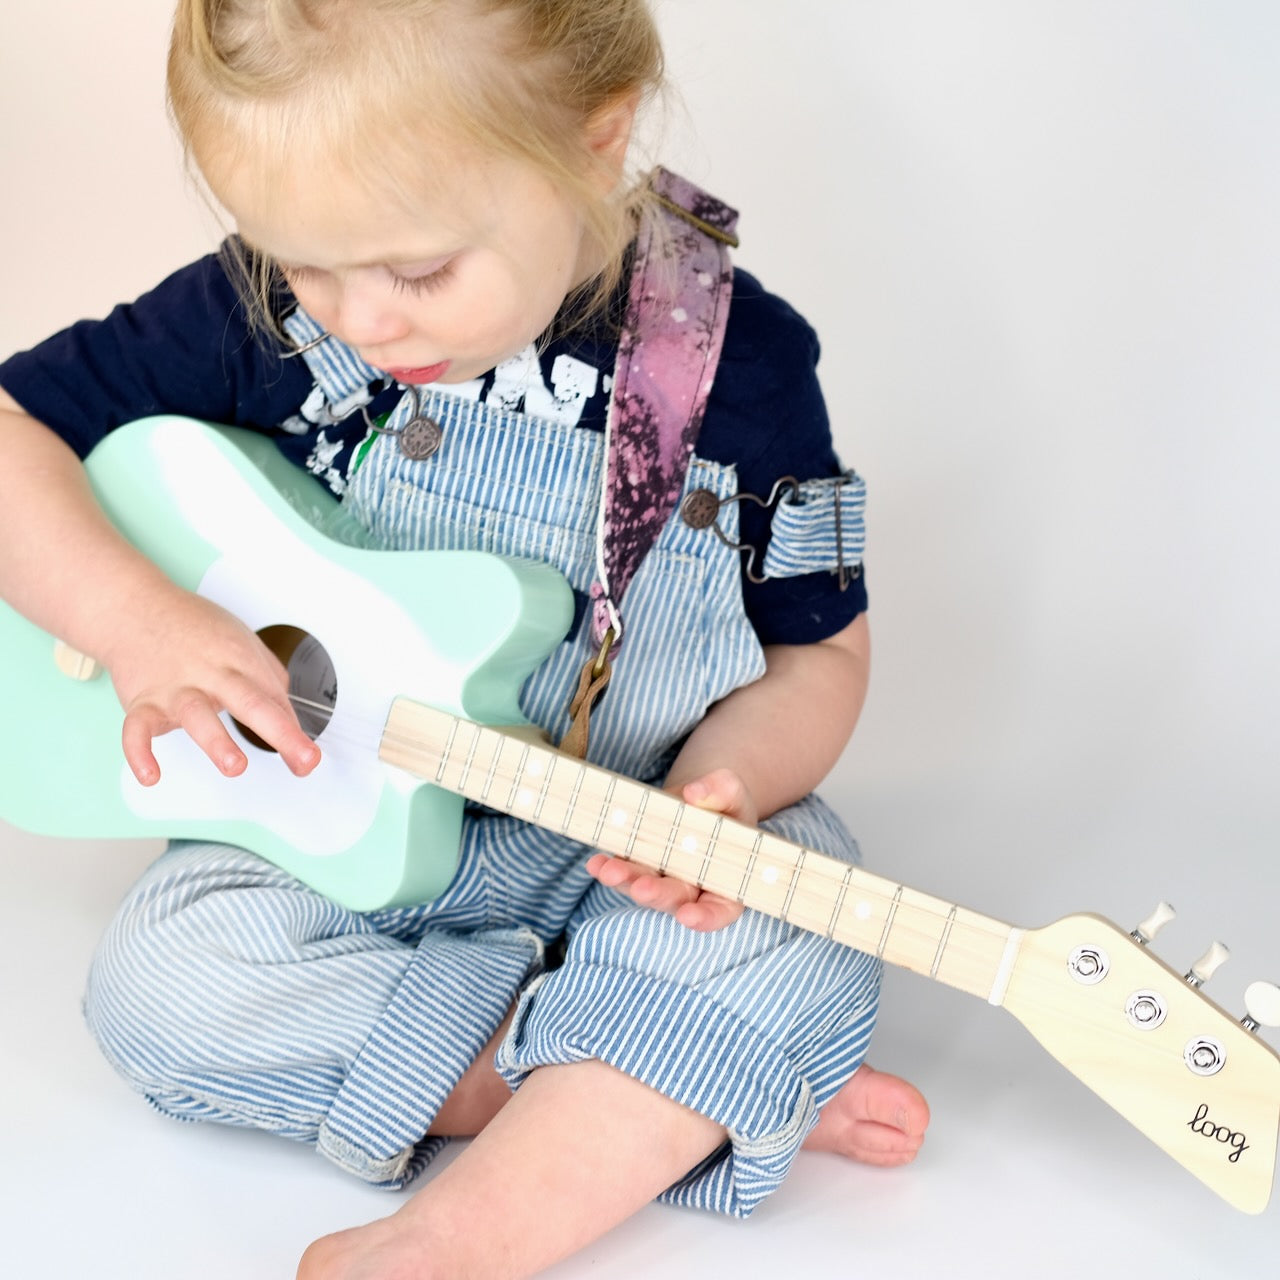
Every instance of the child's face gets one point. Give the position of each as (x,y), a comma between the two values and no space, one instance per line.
(470,277)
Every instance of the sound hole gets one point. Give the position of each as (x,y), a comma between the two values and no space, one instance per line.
(313,682)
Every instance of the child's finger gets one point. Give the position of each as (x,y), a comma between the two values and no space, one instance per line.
(276,724)
(199,719)
(662,893)
(613,873)
(135,739)
(708,913)
(720,791)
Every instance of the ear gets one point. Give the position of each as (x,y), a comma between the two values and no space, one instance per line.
(608,134)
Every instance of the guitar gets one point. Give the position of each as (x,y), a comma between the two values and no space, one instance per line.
(406,667)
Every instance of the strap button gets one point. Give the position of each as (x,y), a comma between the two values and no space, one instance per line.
(420,438)
(700,509)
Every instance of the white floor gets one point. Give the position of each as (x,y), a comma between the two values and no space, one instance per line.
(1025,1172)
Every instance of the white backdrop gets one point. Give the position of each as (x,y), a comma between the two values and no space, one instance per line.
(1037,238)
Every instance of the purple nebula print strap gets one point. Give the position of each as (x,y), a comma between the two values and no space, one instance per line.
(667,356)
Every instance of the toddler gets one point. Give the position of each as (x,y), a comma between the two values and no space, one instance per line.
(429,303)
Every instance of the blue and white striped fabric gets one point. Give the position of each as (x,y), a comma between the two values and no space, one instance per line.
(819,527)
(508,483)
(225,990)
(341,375)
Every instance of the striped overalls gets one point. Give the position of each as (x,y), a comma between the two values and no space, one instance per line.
(225,990)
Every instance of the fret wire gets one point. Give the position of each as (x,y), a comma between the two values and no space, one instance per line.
(888,921)
(942,942)
(750,867)
(448,749)
(712,841)
(635,826)
(840,896)
(466,764)
(550,762)
(604,810)
(490,775)
(573,799)
(665,860)
(515,778)
(791,888)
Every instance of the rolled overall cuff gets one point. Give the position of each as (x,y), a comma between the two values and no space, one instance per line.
(694,1050)
(450,1002)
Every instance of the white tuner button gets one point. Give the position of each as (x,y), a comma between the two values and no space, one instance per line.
(1154,923)
(1262,1000)
(1208,964)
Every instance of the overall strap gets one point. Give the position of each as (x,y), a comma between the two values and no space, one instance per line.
(670,345)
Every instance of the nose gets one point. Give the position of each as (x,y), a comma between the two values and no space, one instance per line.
(367,313)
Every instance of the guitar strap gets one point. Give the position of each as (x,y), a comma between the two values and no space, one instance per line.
(672,335)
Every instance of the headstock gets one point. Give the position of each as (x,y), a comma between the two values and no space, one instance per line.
(1199,1084)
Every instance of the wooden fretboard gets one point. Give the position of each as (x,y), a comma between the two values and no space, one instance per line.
(528,779)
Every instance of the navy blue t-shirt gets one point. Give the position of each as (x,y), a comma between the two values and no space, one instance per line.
(187,347)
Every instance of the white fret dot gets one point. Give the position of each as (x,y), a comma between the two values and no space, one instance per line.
(689,844)
(524,798)
(534,768)
(863,911)
(618,817)
(769,875)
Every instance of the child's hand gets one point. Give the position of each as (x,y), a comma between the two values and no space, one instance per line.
(182,663)
(721,791)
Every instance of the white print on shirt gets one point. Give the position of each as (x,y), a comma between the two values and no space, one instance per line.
(573,383)
(320,462)
(518,384)
(512,379)
(318,411)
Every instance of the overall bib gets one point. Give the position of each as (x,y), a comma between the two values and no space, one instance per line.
(226,990)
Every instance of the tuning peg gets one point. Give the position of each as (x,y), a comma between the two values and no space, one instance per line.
(1262,1000)
(71,662)
(1208,964)
(1154,923)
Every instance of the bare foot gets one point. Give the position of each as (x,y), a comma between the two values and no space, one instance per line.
(876,1118)
(381,1250)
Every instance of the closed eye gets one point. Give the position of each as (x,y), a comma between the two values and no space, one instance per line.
(427,282)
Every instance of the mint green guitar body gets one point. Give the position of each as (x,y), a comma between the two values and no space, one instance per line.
(225,515)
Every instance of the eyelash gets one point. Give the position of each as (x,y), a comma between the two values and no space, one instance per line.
(401,284)
(422,284)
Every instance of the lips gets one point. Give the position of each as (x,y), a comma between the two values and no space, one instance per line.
(420,377)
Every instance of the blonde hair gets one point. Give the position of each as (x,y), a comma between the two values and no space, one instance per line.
(520,78)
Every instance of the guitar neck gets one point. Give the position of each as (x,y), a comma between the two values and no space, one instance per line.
(514,774)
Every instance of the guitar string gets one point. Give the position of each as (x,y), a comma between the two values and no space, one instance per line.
(916,927)
(814,885)
(827,872)
(1042,988)
(820,878)
(818,883)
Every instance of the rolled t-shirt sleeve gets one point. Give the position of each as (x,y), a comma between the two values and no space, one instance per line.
(767,416)
(185,347)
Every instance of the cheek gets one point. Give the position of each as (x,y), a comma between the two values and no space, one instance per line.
(317,301)
(497,310)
